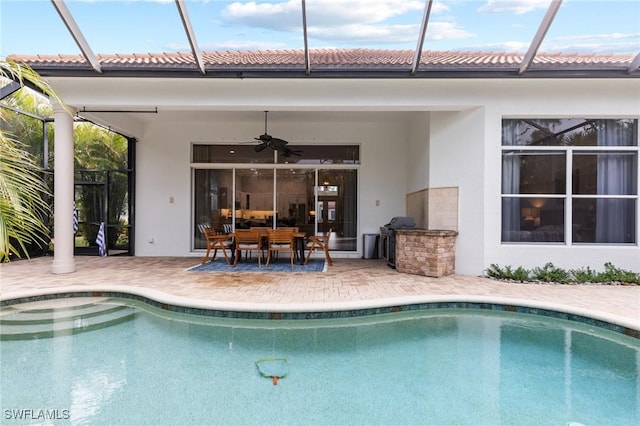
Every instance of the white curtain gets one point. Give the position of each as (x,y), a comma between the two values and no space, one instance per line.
(510,180)
(616,175)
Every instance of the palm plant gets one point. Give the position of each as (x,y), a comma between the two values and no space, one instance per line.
(97,152)
(22,207)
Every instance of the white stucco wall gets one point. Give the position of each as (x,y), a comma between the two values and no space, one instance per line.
(457,159)
(442,133)
(164,173)
(418,152)
(549,99)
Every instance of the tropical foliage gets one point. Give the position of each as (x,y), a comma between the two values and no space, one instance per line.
(27,129)
(100,157)
(23,210)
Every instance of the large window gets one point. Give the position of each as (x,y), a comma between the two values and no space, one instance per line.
(569,181)
(281,191)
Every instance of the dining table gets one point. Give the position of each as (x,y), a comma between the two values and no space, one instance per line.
(298,240)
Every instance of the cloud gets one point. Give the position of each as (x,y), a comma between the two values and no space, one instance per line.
(274,16)
(387,34)
(340,12)
(595,43)
(502,46)
(447,31)
(326,13)
(610,36)
(129,1)
(519,7)
(233,45)
(614,43)
(340,22)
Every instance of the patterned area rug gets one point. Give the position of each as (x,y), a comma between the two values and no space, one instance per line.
(251,265)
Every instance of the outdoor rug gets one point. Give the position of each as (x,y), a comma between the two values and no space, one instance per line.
(279,265)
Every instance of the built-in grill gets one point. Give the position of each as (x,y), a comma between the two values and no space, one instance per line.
(388,236)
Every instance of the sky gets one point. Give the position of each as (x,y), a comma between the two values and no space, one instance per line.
(154,26)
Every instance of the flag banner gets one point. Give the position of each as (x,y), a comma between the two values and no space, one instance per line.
(100,240)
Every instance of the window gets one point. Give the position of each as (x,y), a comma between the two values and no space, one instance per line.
(259,190)
(569,181)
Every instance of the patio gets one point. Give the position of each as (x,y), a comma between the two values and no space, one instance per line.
(349,284)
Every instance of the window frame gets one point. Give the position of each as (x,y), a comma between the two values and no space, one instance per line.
(570,151)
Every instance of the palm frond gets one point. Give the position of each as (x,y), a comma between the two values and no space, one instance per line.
(22,189)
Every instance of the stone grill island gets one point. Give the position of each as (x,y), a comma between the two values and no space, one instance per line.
(426,252)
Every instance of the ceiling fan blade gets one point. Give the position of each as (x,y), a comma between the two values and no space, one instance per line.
(279,142)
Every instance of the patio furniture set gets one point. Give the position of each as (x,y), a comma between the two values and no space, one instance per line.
(260,239)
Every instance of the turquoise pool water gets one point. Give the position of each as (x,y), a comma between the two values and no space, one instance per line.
(440,367)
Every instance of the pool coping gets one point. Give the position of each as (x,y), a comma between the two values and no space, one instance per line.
(302,311)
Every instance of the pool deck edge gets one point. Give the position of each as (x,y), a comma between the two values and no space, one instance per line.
(163,298)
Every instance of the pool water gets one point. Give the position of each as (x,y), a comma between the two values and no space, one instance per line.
(432,367)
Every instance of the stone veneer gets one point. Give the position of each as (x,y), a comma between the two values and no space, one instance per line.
(425,252)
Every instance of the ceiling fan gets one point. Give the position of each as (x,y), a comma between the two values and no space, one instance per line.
(277,144)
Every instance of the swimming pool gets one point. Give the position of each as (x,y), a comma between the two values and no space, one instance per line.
(446,366)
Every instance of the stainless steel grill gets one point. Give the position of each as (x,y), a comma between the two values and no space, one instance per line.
(388,236)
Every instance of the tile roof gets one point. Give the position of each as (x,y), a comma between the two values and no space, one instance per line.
(331,59)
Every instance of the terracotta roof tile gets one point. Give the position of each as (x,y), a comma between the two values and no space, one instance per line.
(328,59)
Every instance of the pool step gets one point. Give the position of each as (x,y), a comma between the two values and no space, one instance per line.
(22,324)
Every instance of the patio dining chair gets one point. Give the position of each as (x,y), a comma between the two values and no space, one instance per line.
(319,242)
(280,239)
(215,241)
(248,240)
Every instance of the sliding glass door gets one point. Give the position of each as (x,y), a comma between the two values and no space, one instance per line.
(276,192)
(213,198)
(336,207)
(294,198)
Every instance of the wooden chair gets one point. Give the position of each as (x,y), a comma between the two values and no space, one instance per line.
(281,239)
(215,241)
(263,234)
(248,240)
(293,228)
(319,242)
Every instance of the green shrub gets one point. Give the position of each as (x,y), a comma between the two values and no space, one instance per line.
(614,274)
(494,271)
(550,274)
(584,275)
(519,274)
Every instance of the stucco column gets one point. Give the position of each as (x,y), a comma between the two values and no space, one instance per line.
(63,192)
